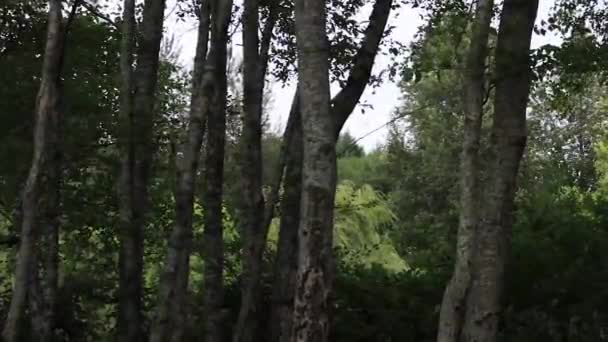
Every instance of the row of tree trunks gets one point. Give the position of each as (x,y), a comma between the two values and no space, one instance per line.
(453,306)
(471,307)
(39,219)
(513,81)
(342,106)
(253,228)
(169,324)
(138,97)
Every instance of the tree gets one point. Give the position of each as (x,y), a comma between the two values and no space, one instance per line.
(208,98)
(453,306)
(213,174)
(287,253)
(315,229)
(170,315)
(342,106)
(136,144)
(254,228)
(513,81)
(40,198)
(361,218)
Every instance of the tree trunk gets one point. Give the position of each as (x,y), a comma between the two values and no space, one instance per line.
(315,229)
(255,57)
(137,112)
(213,177)
(342,106)
(287,250)
(47,115)
(453,307)
(44,282)
(39,180)
(513,79)
(170,320)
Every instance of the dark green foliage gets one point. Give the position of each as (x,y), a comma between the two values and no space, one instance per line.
(375,305)
(396,205)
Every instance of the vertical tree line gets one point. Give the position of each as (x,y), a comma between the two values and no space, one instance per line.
(301,290)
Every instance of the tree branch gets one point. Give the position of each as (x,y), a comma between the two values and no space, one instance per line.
(266,39)
(346,100)
(99,15)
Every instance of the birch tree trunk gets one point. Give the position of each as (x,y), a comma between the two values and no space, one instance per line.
(137,113)
(127,48)
(213,176)
(253,228)
(315,229)
(513,79)
(170,320)
(45,273)
(342,106)
(453,306)
(286,265)
(42,182)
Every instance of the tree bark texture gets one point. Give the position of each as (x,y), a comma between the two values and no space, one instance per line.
(170,320)
(45,271)
(40,198)
(513,79)
(315,229)
(342,105)
(213,176)
(137,113)
(286,264)
(254,231)
(453,306)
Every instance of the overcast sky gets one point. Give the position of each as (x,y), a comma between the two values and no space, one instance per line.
(383,99)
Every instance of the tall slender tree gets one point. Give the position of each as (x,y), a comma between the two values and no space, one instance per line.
(255,62)
(342,105)
(315,231)
(453,307)
(213,174)
(513,80)
(208,79)
(169,320)
(135,140)
(39,238)
(286,260)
